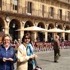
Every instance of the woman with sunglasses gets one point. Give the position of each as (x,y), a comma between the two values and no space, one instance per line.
(30,52)
(22,57)
(7,54)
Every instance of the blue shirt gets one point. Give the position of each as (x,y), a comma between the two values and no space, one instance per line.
(9,53)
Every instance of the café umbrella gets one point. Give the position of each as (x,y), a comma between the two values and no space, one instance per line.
(67,31)
(56,30)
(32,28)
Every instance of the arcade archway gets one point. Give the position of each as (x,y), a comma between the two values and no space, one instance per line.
(41,35)
(2,26)
(66,34)
(28,24)
(50,35)
(60,34)
(14,25)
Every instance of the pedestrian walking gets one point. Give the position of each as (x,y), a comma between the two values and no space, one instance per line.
(7,54)
(22,56)
(62,42)
(56,48)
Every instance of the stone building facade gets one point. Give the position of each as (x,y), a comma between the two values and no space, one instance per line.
(18,14)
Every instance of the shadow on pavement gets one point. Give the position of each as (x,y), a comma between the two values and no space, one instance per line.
(46,60)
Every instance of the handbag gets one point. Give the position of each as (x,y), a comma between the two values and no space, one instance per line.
(30,61)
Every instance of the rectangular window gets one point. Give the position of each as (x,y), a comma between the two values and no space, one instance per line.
(29,7)
(51,11)
(68,15)
(43,10)
(15,7)
(15,4)
(60,13)
(0,3)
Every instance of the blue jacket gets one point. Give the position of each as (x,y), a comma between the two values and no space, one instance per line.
(10,53)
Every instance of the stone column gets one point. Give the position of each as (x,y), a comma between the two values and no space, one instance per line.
(35,36)
(63,34)
(21,29)
(20,4)
(6,30)
(69,36)
(21,34)
(35,33)
(7,22)
(46,34)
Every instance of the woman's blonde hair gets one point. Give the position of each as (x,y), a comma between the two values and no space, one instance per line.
(7,35)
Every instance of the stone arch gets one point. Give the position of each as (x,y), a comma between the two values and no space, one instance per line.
(50,26)
(13,26)
(28,24)
(41,24)
(66,34)
(67,27)
(59,26)
(50,35)
(41,35)
(2,27)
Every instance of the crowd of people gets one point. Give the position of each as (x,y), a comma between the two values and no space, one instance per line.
(22,53)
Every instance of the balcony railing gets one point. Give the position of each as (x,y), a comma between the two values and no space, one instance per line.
(36,13)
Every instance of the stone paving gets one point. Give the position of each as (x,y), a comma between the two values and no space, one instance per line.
(45,60)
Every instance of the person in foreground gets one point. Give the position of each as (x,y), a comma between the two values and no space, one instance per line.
(22,57)
(32,63)
(30,51)
(56,48)
(7,54)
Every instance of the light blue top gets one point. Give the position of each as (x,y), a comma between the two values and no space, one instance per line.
(30,51)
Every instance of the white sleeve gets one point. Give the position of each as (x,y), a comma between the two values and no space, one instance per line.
(21,54)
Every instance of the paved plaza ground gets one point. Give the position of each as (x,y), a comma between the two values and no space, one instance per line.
(45,60)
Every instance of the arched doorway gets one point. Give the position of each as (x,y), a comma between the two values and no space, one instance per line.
(50,35)
(59,34)
(41,35)
(66,34)
(2,26)
(14,25)
(28,24)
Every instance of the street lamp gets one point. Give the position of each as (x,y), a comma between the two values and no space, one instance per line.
(13,25)
(7,19)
